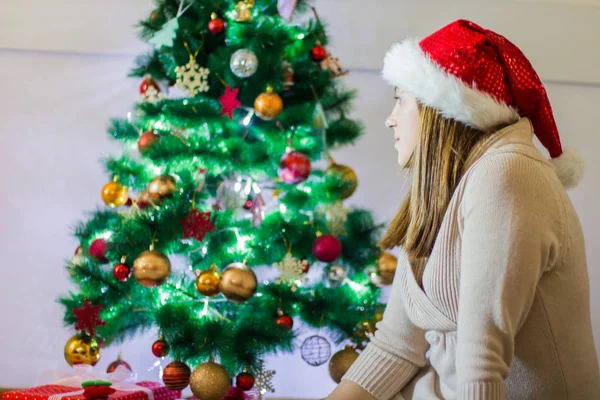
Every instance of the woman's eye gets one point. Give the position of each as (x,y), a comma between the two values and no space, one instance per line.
(398,98)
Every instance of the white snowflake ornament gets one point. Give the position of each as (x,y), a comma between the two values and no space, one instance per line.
(192,78)
(336,216)
(151,95)
(264,380)
(292,271)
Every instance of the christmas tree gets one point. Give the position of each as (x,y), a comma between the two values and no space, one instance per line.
(226,172)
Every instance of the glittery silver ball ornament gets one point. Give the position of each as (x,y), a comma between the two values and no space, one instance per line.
(244,63)
(232,194)
(335,275)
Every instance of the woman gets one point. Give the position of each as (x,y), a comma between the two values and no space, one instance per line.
(492,281)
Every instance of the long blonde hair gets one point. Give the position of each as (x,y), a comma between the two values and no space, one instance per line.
(437,164)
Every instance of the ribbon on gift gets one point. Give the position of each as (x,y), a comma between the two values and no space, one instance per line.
(121,379)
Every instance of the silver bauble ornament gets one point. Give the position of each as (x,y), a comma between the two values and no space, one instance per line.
(335,275)
(243,63)
(232,194)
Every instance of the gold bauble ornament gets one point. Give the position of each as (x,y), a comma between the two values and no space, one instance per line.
(238,282)
(379,314)
(366,329)
(151,268)
(386,267)
(162,187)
(210,381)
(268,105)
(114,194)
(207,281)
(346,177)
(82,349)
(341,362)
(146,200)
(243,10)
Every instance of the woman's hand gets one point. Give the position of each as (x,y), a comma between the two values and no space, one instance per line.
(348,390)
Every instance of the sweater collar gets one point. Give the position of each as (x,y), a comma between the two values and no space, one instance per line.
(516,137)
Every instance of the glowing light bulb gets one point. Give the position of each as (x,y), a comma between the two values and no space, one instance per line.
(205,309)
(248,187)
(248,118)
(301,36)
(161,126)
(355,286)
(164,297)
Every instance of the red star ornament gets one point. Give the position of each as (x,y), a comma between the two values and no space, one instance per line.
(196,225)
(229,101)
(88,317)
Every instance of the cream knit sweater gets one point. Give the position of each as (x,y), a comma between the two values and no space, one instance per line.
(504,309)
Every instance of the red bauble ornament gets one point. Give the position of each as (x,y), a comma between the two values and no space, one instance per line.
(216,26)
(78,250)
(327,248)
(147,140)
(305,267)
(160,348)
(318,53)
(294,167)
(176,375)
(285,322)
(235,393)
(116,364)
(121,272)
(245,381)
(147,83)
(98,250)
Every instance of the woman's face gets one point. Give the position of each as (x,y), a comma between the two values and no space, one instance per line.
(404,121)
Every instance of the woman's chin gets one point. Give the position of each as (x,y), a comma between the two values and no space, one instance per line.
(402,161)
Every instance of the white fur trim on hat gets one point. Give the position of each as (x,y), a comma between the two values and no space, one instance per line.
(569,167)
(407,67)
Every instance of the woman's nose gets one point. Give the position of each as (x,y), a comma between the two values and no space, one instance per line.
(390,123)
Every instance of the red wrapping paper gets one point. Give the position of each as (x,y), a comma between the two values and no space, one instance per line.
(44,392)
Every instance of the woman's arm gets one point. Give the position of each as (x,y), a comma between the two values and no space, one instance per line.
(348,390)
(394,355)
(511,234)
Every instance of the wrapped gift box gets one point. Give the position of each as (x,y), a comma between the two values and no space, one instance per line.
(55,392)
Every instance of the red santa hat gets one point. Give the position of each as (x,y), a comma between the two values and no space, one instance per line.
(476,76)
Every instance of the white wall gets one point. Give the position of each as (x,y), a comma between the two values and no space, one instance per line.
(58,95)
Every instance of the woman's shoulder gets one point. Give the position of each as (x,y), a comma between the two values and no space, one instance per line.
(511,168)
(512,177)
